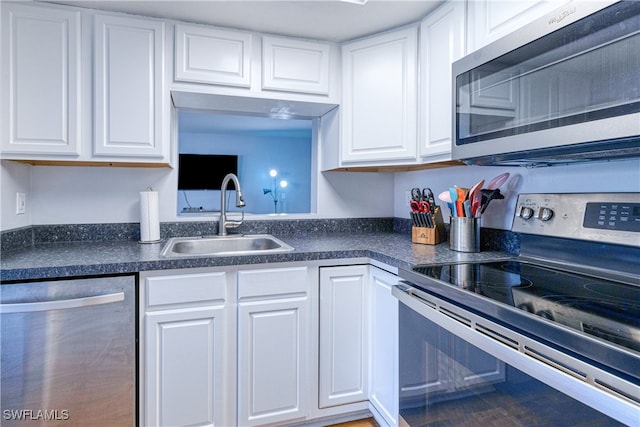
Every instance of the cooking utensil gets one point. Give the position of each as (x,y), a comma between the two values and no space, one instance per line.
(488,196)
(496,182)
(427,195)
(453,194)
(466,205)
(475,197)
(418,202)
(476,201)
(460,201)
(445,196)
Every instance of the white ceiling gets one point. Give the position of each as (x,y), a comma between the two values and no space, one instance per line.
(332,20)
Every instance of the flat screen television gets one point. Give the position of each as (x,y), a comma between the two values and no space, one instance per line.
(204,171)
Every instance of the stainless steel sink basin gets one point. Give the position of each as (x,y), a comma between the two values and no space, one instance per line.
(253,244)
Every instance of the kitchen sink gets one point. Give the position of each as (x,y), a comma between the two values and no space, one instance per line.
(253,244)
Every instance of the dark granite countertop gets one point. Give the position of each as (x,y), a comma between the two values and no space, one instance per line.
(68,259)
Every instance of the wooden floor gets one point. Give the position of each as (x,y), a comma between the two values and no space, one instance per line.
(367,422)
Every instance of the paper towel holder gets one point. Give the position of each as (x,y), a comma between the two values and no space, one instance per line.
(149,210)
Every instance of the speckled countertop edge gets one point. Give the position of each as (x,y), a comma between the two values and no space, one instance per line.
(70,259)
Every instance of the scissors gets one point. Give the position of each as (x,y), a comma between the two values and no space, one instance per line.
(422,201)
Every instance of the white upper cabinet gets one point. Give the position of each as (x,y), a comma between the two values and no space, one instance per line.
(213,55)
(379,98)
(130,93)
(40,82)
(239,63)
(441,43)
(295,65)
(490,20)
(52,56)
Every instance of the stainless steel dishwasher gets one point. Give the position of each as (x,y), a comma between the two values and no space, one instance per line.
(68,352)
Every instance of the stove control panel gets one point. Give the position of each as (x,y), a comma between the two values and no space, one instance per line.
(606,217)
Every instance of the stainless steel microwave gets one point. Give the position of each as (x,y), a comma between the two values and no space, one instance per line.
(563,89)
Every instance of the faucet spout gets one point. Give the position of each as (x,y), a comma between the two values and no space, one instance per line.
(223,224)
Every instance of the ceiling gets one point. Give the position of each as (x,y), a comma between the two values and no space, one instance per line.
(332,20)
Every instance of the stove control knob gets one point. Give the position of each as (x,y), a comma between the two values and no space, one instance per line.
(545,214)
(525,212)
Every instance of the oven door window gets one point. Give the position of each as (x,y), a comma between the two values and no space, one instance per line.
(445,381)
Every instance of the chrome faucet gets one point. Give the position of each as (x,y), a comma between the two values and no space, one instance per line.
(223,224)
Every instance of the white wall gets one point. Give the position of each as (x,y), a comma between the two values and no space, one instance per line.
(619,176)
(81,195)
(85,195)
(14,178)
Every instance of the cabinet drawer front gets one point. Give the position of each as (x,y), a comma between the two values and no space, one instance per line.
(272,282)
(187,288)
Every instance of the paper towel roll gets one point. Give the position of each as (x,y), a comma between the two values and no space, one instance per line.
(149,217)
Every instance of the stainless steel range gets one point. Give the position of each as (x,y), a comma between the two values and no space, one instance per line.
(551,337)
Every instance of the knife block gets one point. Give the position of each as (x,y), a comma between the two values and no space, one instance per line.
(430,236)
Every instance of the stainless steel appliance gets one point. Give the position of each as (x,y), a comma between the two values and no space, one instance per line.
(68,353)
(550,337)
(564,89)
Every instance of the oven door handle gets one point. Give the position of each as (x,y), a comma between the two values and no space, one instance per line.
(404,291)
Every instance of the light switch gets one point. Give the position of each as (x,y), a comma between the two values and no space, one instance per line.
(21,203)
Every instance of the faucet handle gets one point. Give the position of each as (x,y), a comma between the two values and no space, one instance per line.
(239,199)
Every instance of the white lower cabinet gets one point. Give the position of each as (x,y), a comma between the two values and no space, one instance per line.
(383,348)
(344,335)
(188,354)
(273,331)
(257,346)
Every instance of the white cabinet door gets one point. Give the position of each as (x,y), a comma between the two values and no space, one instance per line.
(383,353)
(130,94)
(273,327)
(441,43)
(213,55)
(343,335)
(182,379)
(490,20)
(295,65)
(40,82)
(379,98)
(188,351)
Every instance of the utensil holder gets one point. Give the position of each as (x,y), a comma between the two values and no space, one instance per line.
(464,234)
(430,235)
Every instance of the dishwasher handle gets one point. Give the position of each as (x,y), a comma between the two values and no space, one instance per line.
(30,307)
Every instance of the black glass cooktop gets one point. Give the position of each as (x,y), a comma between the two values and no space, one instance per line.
(605,309)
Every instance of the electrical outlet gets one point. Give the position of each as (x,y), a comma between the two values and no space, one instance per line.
(21,203)
(407,198)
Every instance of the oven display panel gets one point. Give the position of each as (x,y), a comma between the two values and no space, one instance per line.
(613,216)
